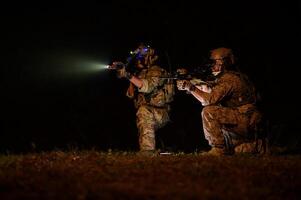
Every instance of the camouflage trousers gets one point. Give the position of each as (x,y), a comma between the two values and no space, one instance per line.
(150,119)
(229,127)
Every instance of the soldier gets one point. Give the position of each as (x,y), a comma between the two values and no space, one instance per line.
(150,97)
(230,117)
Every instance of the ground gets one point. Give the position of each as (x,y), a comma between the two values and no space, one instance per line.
(124,175)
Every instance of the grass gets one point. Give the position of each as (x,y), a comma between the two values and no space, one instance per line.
(124,175)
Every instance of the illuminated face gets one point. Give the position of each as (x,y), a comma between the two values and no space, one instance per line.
(218,65)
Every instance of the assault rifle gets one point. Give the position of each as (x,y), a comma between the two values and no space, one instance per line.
(116,65)
(130,64)
(203,73)
(198,75)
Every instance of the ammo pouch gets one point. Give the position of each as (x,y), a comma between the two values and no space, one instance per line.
(162,95)
(156,98)
(169,90)
(153,99)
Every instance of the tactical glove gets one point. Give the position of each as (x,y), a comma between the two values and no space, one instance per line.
(122,73)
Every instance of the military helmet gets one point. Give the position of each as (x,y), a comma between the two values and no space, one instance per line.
(222,53)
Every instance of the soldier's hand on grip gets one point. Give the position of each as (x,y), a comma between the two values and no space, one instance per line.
(121,73)
(116,65)
(182,71)
(183,84)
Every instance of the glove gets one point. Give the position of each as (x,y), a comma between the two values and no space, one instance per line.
(182,84)
(185,85)
(182,71)
(122,73)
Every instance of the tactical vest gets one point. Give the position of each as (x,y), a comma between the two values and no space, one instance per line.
(244,92)
(161,95)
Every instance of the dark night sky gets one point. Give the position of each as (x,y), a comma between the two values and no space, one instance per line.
(53,99)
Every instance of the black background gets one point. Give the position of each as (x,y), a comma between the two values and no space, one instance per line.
(49,103)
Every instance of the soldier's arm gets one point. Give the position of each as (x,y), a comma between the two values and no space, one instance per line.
(217,93)
(149,84)
(136,81)
(204,88)
(153,80)
(145,85)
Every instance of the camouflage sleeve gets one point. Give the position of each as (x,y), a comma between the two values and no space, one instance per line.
(218,92)
(152,80)
(149,84)
(204,88)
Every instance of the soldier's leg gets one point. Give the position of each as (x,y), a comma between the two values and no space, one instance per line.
(215,119)
(161,116)
(211,126)
(246,136)
(146,128)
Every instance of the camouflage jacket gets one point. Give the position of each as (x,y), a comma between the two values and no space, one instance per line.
(230,89)
(151,93)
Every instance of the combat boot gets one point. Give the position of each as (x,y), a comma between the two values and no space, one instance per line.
(215,151)
(256,147)
(150,153)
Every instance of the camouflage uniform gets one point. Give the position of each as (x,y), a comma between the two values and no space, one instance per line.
(152,109)
(230,117)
